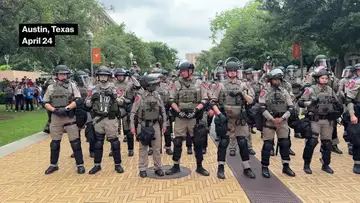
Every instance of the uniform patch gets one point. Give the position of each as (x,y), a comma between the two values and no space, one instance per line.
(262,93)
(306,91)
(217,85)
(351,84)
(89,93)
(137,98)
(308,75)
(118,92)
(171,86)
(204,85)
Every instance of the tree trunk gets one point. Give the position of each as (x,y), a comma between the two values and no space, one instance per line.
(340,65)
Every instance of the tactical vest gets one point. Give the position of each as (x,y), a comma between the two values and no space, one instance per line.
(232,105)
(104,105)
(149,108)
(62,95)
(189,95)
(325,105)
(276,102)
(164,93)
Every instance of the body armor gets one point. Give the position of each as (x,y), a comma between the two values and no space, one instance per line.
(232,105)
(276,102)
(325,104)
(104,104)
(149,108)
(189,95)
(62,95)
(164,93)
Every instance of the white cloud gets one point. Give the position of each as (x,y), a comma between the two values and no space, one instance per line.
(183,24)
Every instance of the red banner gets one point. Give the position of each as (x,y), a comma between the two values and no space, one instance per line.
(296,53)
(96,55)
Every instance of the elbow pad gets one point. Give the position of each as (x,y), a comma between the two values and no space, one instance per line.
(301,103)
(348,100)
(78,102)
(262,108)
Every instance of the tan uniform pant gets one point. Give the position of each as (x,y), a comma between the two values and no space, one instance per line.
(281,132)
(322,128)
(60,125)
(156,147)
(126,123)
(235,131)
(183,125)
(107,127)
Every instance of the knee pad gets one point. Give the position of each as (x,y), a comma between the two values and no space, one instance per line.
(242,142)
(115,144)
(268,145)
(100,137)
(312,142)
(76,144)
(178,142)
(224,142)
(326,145)
(55,145)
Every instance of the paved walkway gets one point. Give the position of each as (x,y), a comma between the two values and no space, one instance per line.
(22,179)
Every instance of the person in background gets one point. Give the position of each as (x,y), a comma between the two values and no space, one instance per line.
(19,97)
(9,94)
(29,96)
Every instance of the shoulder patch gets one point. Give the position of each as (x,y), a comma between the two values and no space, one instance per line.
(351,84)
(118,92)
(137,98)
(204,85)
(262,93)
(171,86)
(307,75)
(217,85)
(307,90)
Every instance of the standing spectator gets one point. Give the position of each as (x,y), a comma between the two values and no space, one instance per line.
(9,94)
(37,95)
(29,96)
(19,97)
(29,82)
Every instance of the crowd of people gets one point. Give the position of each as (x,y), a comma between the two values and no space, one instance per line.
(22,95)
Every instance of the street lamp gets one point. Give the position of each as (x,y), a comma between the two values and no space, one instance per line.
(6,57)
(131,55)
(90,37)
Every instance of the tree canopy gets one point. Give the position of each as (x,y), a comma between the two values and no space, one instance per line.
(114,42)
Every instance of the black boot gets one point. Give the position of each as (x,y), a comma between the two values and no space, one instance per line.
(252,152)
(200,170)
(159,172)
(95,169)
(173,170)
(249,173)
(265,172)
(356,168)
(327,169)
(336,149)
(307,168)
(131,153)
(119,168)
(76,147)
(51,169)
(143,174)
(80,169)
(169,151)
(287,170)
(221,172)
(189,150)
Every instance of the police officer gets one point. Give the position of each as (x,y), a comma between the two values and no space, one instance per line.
(83,83)
(61,98)
(125,85)
(352,102)
(347,75)
(149,109)
(323,108)
(163,90)
(233,96)
(48,82)
(188,97)
(276,106)
(290,76)
(104,100)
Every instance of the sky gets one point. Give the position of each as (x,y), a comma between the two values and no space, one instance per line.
(182,24)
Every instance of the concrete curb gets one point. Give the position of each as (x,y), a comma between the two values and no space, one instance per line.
(21,144)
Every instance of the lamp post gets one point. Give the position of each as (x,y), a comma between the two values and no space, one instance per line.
(90,37)
(6,57)
(131,55)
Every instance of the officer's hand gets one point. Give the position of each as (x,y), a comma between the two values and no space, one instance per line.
(182,114)
(133,131)
(314,101)
(163,129)
(354,119)
(278,121)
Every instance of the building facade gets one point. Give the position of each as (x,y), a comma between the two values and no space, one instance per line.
(191,57)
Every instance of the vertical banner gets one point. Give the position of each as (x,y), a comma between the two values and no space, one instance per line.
(96,55)
(296,50)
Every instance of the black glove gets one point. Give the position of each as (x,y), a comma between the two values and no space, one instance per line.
(220,119)
(182,114)
(234,94)
(314,101)
(61,112)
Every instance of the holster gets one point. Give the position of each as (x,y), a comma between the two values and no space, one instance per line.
(146,135)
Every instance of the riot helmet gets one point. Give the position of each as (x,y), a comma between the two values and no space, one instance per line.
(151,82)
(103,71)
(319,72)
(291,70)
(186,69)
(220,63)
(81,78)
(347,72)
(322,60)
(62,73)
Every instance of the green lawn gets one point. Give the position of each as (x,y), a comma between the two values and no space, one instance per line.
(14,126)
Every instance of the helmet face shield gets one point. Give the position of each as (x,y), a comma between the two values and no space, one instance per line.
(345,73)
(256,75)
(291,72)
(240,74)
(85,80)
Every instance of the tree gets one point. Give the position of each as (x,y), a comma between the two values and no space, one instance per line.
(162,53)
(332,24)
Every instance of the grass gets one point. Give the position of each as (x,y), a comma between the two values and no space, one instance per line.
(14,126)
